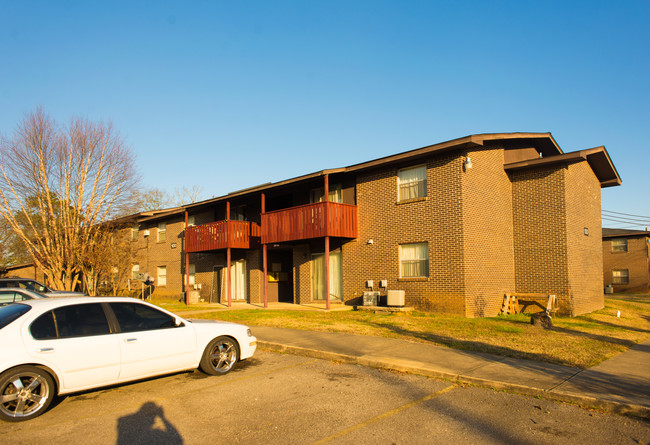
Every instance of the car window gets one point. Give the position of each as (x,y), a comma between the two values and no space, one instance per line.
(79,320)
(32,285)
(4,283)
(7,297)
(134,317)
(12,312)
(43,327)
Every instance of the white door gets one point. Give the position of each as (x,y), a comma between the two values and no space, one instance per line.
(77,342)
(150,342)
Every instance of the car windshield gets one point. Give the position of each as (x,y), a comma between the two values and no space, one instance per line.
(12,312)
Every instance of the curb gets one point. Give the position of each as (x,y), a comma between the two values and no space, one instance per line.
(410,368)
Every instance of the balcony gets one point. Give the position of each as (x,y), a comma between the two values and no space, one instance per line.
(222,235)
(309,221)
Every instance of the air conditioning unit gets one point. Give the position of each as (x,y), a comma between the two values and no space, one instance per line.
(146,232)
(370,298)
(395,298)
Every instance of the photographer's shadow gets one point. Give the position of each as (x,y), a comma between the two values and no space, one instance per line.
(143,427)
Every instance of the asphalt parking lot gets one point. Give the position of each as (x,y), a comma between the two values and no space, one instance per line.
(280,398)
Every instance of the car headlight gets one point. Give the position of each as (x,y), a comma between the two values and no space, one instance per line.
(248,331)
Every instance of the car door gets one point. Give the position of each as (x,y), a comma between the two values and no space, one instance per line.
(76,341)
(150,342)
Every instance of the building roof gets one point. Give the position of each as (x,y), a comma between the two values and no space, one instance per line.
(544,143)
(597,157)
(623,233)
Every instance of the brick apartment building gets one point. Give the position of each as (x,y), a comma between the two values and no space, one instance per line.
(626,260)
(455,225)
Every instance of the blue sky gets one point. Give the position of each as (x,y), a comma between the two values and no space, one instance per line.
(227,95)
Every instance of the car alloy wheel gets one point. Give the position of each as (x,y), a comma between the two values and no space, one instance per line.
(25,392)
(220,356)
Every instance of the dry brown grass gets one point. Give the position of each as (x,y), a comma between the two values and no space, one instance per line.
(581,342)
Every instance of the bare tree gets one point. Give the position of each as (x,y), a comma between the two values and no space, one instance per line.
(152,199)
(58,185)
(184,195)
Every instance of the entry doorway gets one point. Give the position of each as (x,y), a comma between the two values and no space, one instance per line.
(335,278)
(280,276)
(237,282)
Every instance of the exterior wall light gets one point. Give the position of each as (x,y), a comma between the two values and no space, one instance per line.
(468,163)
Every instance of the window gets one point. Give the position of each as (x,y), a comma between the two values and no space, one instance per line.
(162,275)
(191,221)
(238,213)
(133,317)
(79,320)
(135,232)
(162,232)
(619,245)
(414,260)
(318,194)
(32,285)
(335,277)
(192,274)
(7,297)
(135,271)
(412,183)
(620,276)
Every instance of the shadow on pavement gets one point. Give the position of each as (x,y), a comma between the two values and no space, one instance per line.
(148,425)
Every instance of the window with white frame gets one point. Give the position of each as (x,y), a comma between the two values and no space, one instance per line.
(620,276)
(135,232)
(414,260)
(191,221)
(135,271)
(412,183)
(619,245)
(162,232)
(162,275)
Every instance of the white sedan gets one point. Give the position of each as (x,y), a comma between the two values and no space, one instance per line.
(64,345)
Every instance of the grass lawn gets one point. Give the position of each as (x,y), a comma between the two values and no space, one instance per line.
(581,342)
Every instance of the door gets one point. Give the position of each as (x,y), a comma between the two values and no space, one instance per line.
(77,342)
(335,278)
(150,342)
(280,276)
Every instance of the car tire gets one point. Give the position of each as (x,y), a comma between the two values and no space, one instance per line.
(25,392)
(220,356)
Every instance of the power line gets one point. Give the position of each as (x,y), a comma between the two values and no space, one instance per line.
(626,214)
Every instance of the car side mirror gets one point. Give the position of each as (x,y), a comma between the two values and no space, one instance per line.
(178,323)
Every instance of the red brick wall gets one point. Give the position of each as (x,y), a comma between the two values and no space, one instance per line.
(539,222)
(488,234)
(635,260)
(436,219)
(584,252)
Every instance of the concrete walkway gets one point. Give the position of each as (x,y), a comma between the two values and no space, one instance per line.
(621,384)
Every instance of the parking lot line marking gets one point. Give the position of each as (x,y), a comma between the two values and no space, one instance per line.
(382,416)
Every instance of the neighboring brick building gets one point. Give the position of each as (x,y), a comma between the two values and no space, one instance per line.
(626,260)
(455,225)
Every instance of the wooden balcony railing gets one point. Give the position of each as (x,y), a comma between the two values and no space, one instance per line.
(221,235)
(308,221)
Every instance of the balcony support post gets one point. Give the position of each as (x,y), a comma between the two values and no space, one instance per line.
(187,262)
(228,257)
(264,267)
(327,244)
